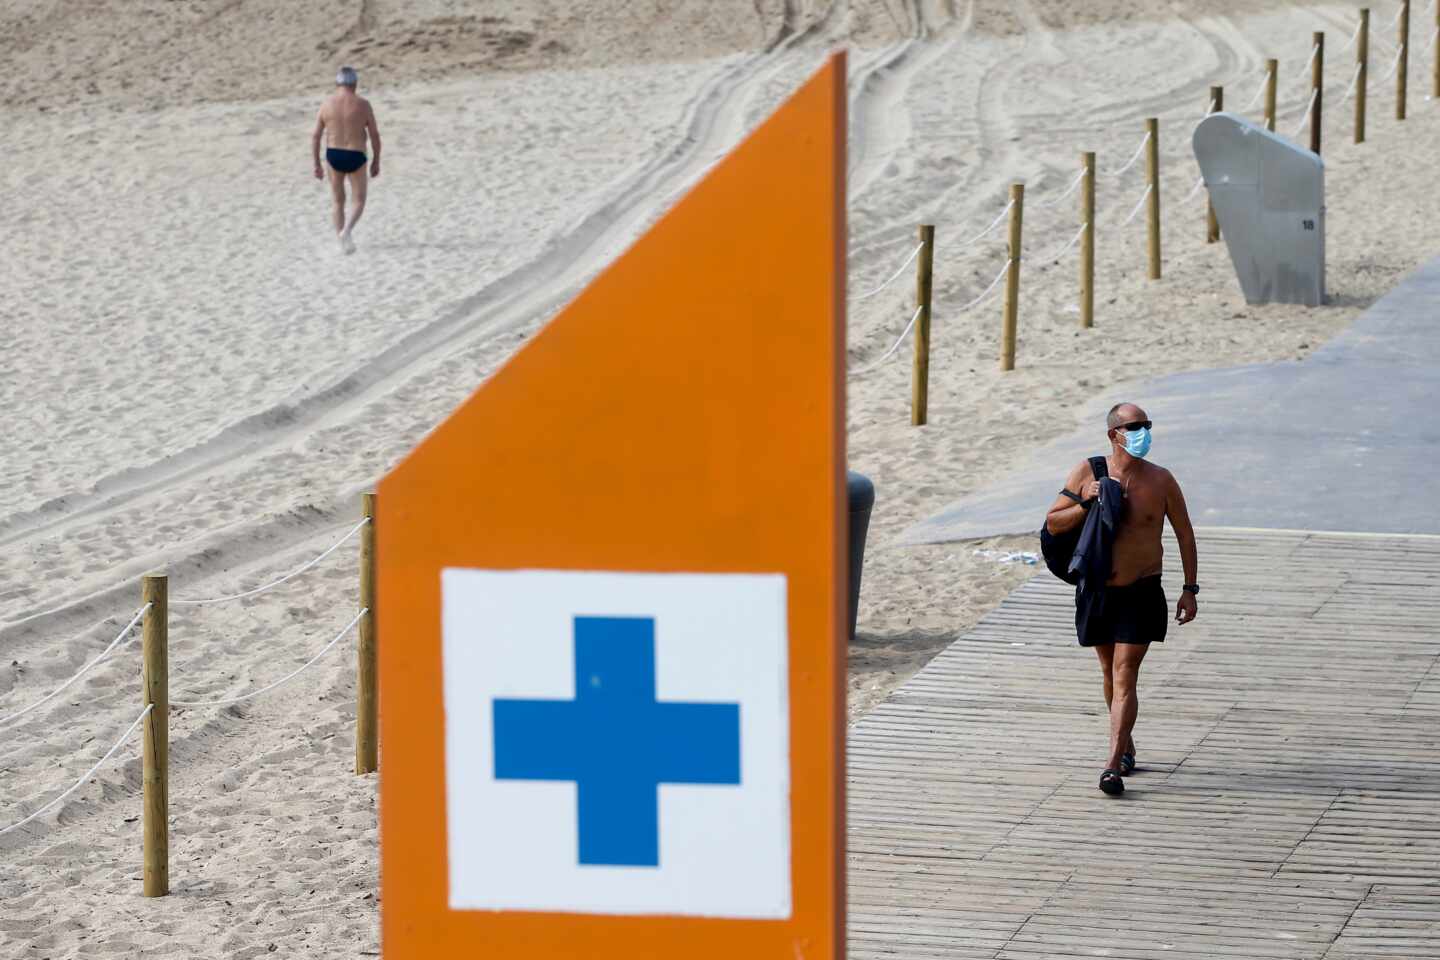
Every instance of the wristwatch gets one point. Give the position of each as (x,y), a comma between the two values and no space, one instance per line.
(1191,588)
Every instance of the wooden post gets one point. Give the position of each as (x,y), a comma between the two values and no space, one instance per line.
(367,713)
(1317,88)
(155,777)
(1272,70)
(1012,277)
(1212,226)
(1152,206)
(1435,45)
(1087,241)
(1401,74)
(1362,57)
(920,379)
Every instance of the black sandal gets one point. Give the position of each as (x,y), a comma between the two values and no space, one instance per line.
(1127,764)
(1111,782)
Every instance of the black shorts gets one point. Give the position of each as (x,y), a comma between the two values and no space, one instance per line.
(1136,613)
(344,161)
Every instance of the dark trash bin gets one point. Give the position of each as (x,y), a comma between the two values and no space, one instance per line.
(861,494)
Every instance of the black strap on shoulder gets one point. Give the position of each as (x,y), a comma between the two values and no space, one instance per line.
(1098,467)
(1073,496)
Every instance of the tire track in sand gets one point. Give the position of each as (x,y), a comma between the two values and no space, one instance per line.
(713,121)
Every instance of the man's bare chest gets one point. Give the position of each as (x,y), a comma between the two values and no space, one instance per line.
(1144,503)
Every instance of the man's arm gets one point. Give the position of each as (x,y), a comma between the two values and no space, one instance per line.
(1065,514)
(315,139)
(1179,517)
(373,128)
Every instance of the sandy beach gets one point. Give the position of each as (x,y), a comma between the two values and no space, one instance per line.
(196,378)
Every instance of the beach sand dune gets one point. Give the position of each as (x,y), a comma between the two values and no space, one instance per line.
(194,378)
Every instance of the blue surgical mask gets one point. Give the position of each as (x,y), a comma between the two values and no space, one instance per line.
(1137,442)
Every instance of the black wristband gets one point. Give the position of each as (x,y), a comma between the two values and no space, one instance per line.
(1191,588)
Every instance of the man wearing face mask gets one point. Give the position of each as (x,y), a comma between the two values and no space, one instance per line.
(1131,612)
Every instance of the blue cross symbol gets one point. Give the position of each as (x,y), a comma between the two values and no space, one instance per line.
(617,742)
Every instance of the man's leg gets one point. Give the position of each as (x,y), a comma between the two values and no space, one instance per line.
(1125,705)
(1106,655)
(359,185)
(337,200)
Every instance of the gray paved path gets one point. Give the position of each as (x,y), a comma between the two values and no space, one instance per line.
(1288,802)
(1348,439)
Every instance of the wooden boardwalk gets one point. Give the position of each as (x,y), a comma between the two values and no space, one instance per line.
(1288,801)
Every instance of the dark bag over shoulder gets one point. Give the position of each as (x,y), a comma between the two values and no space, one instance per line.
(1059,548)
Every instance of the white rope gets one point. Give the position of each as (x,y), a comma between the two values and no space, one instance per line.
(1353,37)
(1066,249)
(1136,211)
(986,292)
(1354,79)
(1434,35)
(885,245)
(88,774)
(1398,14)
(268,688)
(1138,150)
(1068,190)
(986,232)
(895,346)
(291,575)
(1314,52)
(83,670)
(1208,113)
(913,254)
(1395,64)
(1264,84)
(1199,182)
(1309,111)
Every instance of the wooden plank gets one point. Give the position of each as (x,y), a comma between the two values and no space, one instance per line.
(1286,806)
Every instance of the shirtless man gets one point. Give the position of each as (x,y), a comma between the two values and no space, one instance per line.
(348,119)
(1135,610)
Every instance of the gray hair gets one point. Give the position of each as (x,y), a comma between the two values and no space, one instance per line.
(1113,418)
(347,77)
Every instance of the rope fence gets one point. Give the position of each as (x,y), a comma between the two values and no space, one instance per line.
(1004,271)
(271,686)
(1310,117)
(1314,52)
(1074,185)
(124,631)
(1353,37)
(289,576)
(153,617)
(1135,158)
(1354,78)
(1139,205)
(1264,85)
(893,347)
(87,775)
(1305,118)
(892,278)
(1063,250)
(1394,64)
(990,229)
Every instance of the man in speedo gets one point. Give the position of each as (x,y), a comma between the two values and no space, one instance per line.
(346,121)
(1134,611)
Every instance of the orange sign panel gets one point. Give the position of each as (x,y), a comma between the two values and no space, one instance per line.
(611,600)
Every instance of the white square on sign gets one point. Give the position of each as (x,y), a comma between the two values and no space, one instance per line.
(617,742)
